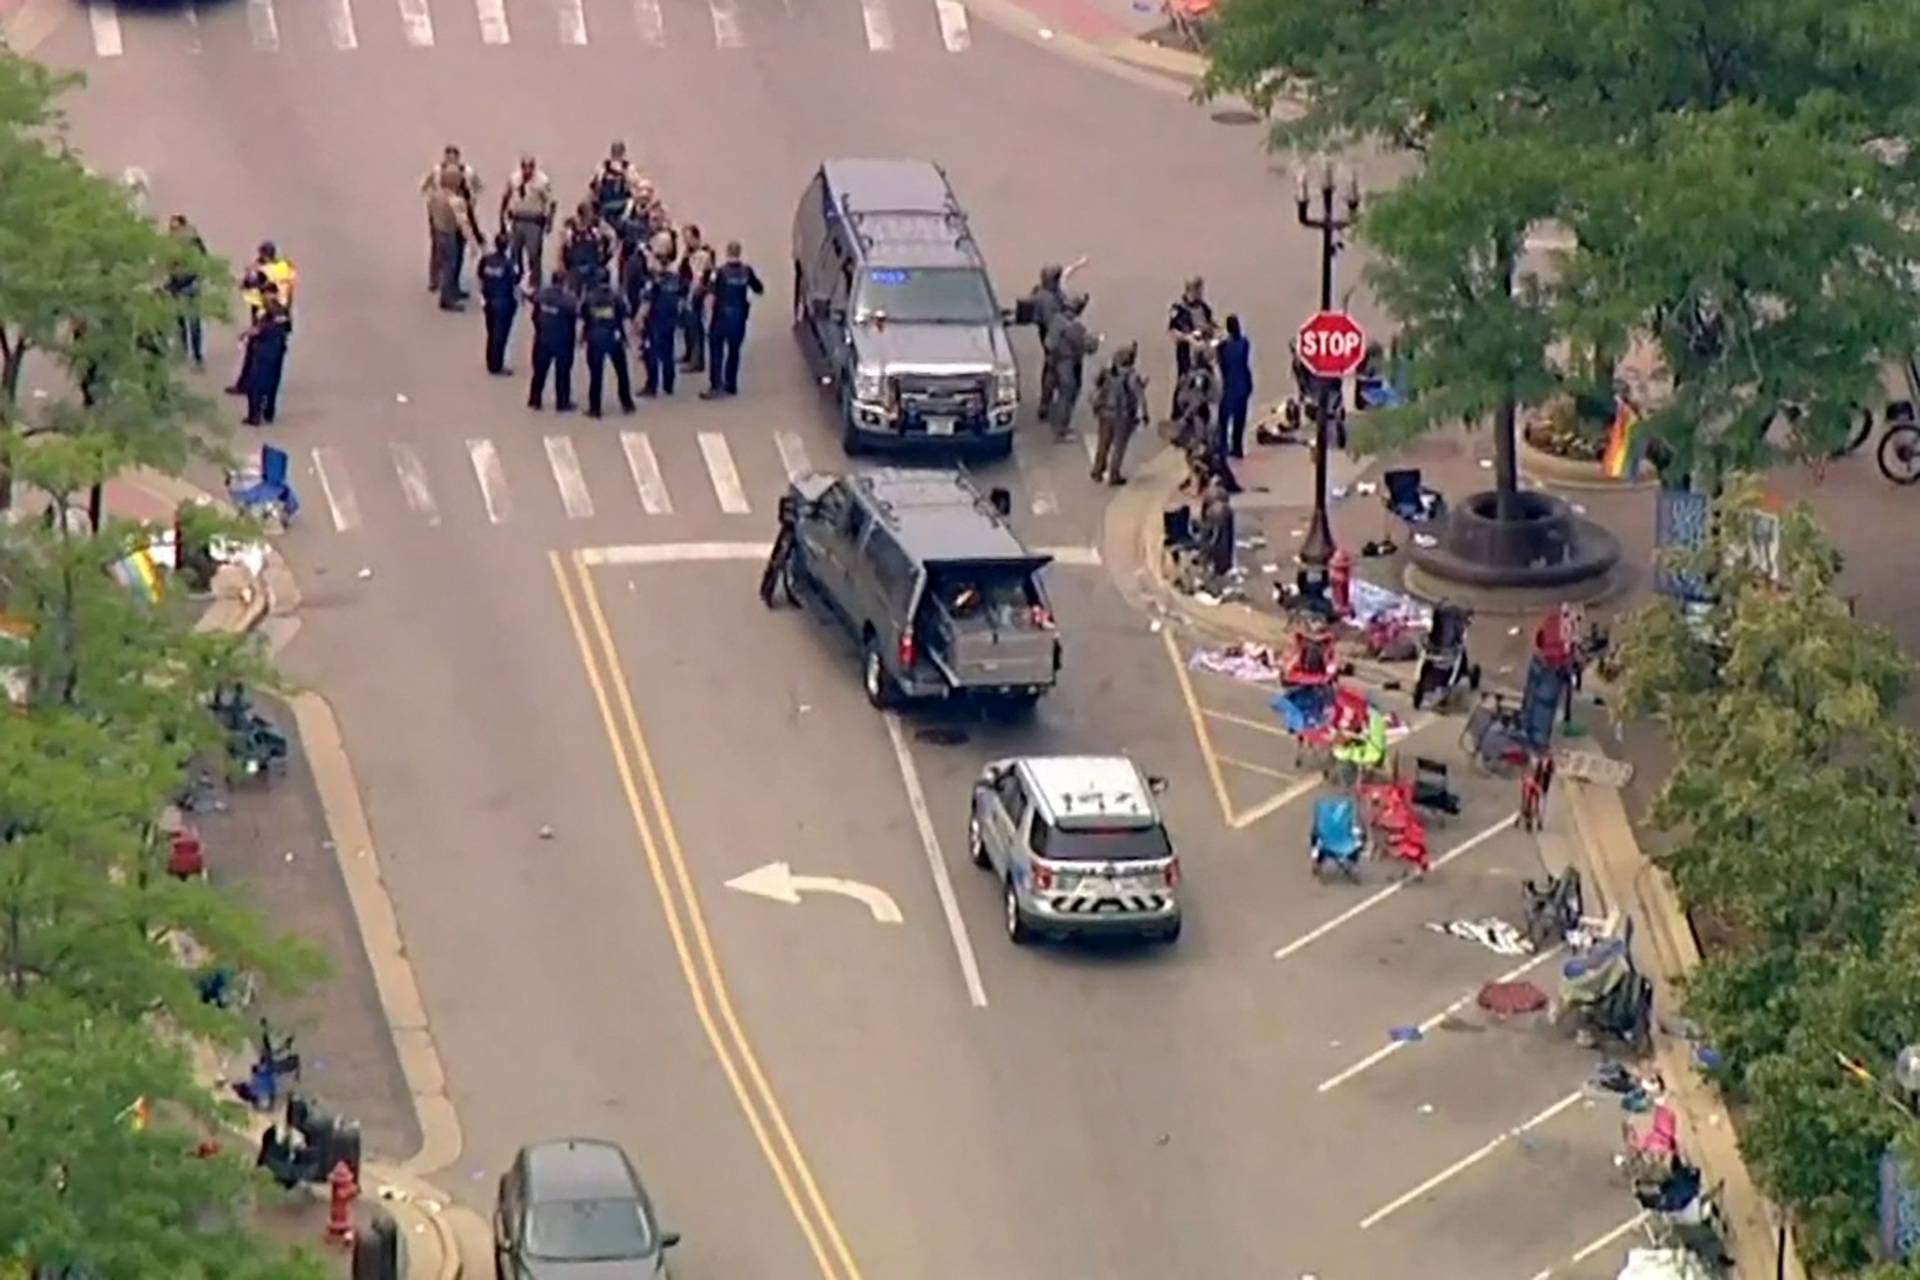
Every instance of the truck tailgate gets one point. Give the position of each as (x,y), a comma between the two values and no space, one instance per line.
(976,654)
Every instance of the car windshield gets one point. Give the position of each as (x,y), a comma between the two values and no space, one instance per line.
(935,295)
(588,1231)
(1101,844)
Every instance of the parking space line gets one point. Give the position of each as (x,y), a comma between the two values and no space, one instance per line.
(1589,1250)
(1468,845)
(1273,804)
(1468,1161)
(336,488)
(1227,717)
(493,479)
(942,882)
(570,479)
(725,476)
(1265,771)
(1205,741)
(104,17)
(1394,1046)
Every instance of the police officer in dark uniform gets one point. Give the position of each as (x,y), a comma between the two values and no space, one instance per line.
(556,328)
(734,284)
(666,300)
(586,245)
(606,315)
(499,299)
(266,356)
(1190,321)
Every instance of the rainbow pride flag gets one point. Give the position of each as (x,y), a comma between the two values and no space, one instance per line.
(1626,441)
(139,574)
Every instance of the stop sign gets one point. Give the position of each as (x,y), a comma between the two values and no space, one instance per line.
(1331,344)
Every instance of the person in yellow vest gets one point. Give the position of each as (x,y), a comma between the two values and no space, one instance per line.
(268,266)
(278,269)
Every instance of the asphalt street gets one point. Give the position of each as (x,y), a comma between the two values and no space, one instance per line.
(567,756)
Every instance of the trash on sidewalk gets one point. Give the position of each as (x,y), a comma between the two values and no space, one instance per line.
(1505,999)
(1366,488)
(364,573)
(1490,932)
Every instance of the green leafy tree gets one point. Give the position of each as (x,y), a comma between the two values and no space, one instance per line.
(102,1167)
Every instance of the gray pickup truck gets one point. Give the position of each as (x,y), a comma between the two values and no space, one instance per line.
(927,576)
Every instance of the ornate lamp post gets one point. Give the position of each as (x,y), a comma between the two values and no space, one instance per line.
(1317,549)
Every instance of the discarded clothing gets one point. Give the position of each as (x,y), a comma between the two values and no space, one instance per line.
(1491,932)
(1371,603)
(1504,999)
(1254,663)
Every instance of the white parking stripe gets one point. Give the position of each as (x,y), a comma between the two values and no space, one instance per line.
(720,469)
(726,24)
(1587,1251)
(340,24)
(264,27)
(493,21)
(573,22)
(646,473)
(332,470)
(793,454)
(653,30)
(953,25)
(413,483)
(1467,1162)
(567,474)
(493,479)
(104,17)
(417,20)
(937,864)
(879,24)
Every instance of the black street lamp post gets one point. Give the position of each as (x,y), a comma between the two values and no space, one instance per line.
(1317,550)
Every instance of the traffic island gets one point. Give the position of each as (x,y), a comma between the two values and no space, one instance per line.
(1541,552)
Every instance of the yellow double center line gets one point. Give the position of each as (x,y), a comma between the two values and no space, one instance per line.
(681,905)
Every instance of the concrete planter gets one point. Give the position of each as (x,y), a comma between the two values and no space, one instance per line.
(1574,473)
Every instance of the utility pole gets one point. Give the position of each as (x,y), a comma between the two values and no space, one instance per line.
(1317,550)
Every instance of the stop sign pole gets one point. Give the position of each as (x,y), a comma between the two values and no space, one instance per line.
(1317,551)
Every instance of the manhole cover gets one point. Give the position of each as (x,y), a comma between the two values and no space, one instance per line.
(1236,115)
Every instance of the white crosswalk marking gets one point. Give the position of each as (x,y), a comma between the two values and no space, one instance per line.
(104,17)
(653,29)
(493,21)
(726,24)
(953,25)
(413,483)
(567,474)
(340,24)
(793,454)
(646,473)
(720,469)
(264,27)
(337,489)
(493,479)
(879,24)
(573,22)
(417,20)
(1092,447)
(191,13)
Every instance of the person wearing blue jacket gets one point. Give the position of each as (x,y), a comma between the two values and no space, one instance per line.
(1236,388)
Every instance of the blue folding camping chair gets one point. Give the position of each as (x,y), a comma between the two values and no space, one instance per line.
(263,492)
(1338,838)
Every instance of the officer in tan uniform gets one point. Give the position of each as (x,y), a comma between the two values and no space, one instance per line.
(451,173)
(526,215)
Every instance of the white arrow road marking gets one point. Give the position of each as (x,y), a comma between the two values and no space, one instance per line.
(879,24)
(413,483)
(708,552)
(793,454)
(653,29)
(567,474)
(726,24)
(936,863)
(646,473)
(493,479)
(418,22)
(104,17)
(1467,1162)
(725,476)
(573,22)
(493,21)
(264,26)
(777,881)
(332,470)
(340,24)
(953,25)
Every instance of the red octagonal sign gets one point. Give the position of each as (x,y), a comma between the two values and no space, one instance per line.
(1331,344)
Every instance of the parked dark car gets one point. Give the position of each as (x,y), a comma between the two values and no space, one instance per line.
(575,1209)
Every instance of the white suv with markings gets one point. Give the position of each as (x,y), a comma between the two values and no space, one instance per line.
(1078,845)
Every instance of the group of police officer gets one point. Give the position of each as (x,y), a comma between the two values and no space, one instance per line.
(624,268)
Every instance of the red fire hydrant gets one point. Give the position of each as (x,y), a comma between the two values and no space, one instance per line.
(343,1191)
(1340,582)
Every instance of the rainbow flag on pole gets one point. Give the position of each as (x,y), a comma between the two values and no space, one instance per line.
(1626,441)
(139,574)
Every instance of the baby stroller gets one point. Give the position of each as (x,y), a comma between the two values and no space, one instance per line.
(1338,838)
(1444,665)
(263,492)
(1608,995)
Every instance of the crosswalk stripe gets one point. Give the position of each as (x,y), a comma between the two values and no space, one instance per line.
(653,30)
(573,22)
(567,474)
(1092,446)
(340,24)
(726,24)
(646,473)
(720,469)
(413,483)
(953,25)
(263,25)
(191,12)
(493,21)
(417,20)
(336,488)
(793,454)
(493,479)
(879,24)
(104,17)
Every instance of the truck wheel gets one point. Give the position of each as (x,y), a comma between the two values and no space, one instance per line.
(1019,932)
(873,675)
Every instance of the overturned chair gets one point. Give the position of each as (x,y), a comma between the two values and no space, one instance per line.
(262,490)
